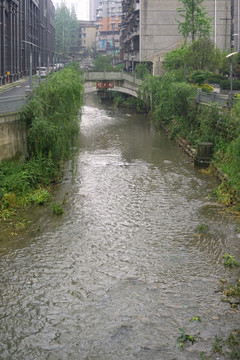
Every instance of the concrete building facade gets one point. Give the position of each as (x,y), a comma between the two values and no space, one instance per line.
(26,27)
(93,5)
(235,24)
(109,19)
(87,34)
(150,29)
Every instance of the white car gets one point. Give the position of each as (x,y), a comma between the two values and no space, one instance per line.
(42,72)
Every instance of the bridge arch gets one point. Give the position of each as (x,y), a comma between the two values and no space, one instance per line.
(123,83)
(90,89)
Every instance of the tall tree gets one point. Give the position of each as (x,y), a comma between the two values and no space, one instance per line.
(202,55)
(196,22)
(74,31)
(66,30)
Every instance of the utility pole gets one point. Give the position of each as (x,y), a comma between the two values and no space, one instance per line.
(229,56)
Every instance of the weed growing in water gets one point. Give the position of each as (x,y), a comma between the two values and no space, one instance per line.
(217,345)
(57,209)
(183,338)
(230,261)
(230,346)
(197,318)
(203,229)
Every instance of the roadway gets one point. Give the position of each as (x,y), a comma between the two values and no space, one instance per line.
(13,96)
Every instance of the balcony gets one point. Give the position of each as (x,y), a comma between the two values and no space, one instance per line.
(137,7)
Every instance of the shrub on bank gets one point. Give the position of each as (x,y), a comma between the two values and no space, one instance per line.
(225,84)
(52,114)
(52,118)
(200,77)
(173,106)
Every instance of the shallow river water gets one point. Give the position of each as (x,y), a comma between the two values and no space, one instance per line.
(123,269)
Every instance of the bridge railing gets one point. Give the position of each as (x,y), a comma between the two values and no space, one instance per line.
(213,97)
(201,97)
(104,75)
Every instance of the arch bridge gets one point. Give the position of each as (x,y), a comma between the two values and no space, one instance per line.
(112,81)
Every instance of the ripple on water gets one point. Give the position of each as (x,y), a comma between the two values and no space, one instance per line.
(124,268)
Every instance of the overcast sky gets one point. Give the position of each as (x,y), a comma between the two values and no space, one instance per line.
(81,7)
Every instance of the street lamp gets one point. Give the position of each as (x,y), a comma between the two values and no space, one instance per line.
(113,29)
(30,64)
(231,81)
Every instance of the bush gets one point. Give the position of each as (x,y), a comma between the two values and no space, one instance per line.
(52,121)
(174,106)
(175,59)
(207,88)
(103,63)
(142,70)
(52,114)
(225,84)
(200,77)
(57,209)
(40,197)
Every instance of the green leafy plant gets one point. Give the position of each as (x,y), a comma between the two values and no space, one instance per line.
(203,228)
(196,318)
(184,338)
(57,209)
(142,70)
(40,197)
(229,347)
(207,88)
(230,261)
(52,115)
(217,344)
(195,21)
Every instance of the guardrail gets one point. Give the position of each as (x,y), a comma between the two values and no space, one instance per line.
(213,97)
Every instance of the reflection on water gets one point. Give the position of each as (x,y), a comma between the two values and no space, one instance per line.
(122,269)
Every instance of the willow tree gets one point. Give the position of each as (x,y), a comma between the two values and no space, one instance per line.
(195,20)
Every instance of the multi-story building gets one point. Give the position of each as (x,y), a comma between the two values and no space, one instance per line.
(27,33)
(87,34)
(235,24)
(109,19)
(150,29)
(93,5)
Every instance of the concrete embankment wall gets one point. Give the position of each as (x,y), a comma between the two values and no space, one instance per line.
(12,136)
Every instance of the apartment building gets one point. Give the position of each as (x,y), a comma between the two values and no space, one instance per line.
(26,27)
(87,34)
(93,5)
(235,16)
(109,19)
(150,29)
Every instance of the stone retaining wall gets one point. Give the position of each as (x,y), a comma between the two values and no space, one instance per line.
(12,136)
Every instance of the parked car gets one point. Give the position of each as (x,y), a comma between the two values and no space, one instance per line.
(42,72)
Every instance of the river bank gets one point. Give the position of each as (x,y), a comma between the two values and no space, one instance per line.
(52,119)
(173,107)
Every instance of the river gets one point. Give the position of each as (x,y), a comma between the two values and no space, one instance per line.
(124,267)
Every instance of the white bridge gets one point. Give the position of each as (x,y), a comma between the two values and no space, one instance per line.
(112,81)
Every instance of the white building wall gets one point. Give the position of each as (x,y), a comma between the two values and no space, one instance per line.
(159,28)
